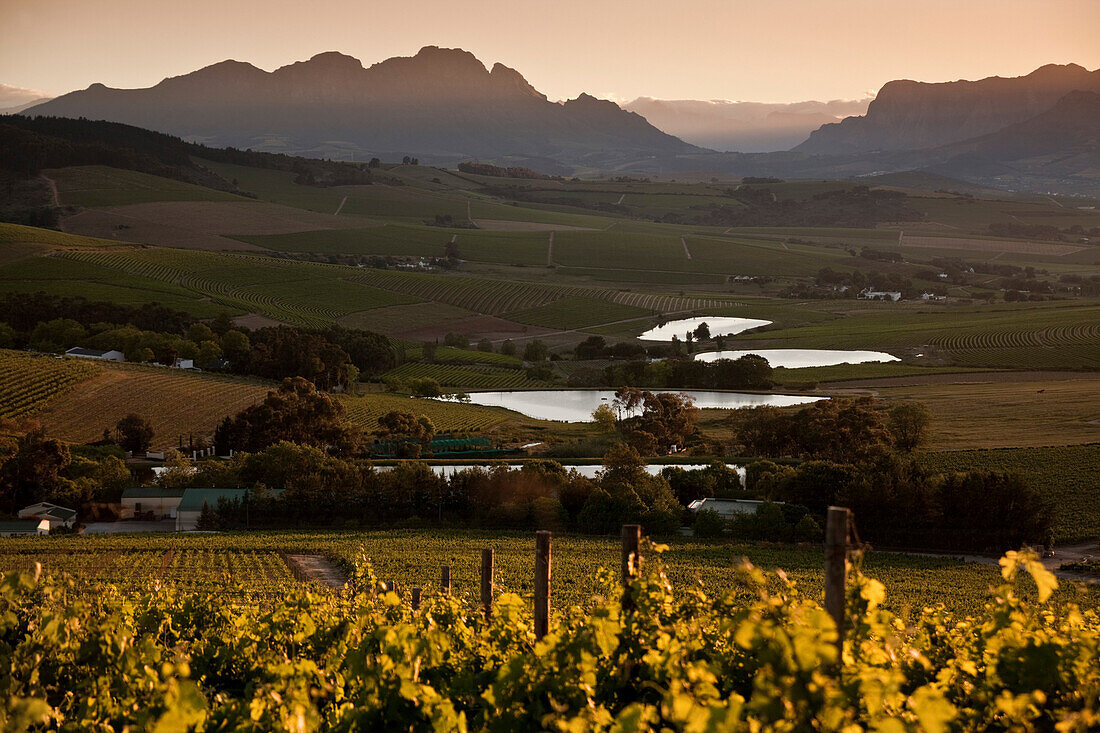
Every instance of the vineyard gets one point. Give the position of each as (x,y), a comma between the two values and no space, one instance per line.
(577,312)
(753,651)
(912,581)
(28,383)
(174,401)
(470,376)
(237,576)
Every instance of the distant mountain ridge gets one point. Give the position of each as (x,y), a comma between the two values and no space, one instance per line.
(910,115)
(747,127)
(441,105)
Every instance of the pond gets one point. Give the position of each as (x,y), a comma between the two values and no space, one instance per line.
(718,325)
(798,358)
(588,471)
(577,405)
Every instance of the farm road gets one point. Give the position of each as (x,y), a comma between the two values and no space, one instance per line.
(316,568)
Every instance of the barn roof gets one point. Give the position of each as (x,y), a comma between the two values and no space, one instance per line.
(194,499)
(152,492)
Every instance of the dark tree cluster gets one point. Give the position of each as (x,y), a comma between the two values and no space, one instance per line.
(24,311)
(748,372)
(858,206)
(854,455)
(297,485)
(330,357)
(29,144)
(295,413)
(496,171)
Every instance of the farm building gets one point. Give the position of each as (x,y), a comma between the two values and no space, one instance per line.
(193,500)
(161,502)
(83,353)
(726,507)
(891,295)
(25,528)
(57,516)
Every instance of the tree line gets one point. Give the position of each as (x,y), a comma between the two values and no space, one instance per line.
(330,357)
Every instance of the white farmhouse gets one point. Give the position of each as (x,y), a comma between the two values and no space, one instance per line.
(726,507)
(81,352)
(56,516)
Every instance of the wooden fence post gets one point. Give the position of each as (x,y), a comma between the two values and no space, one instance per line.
(632,540)
(416,599)
(836,566)
(445,580)
(487,582)
(542,584)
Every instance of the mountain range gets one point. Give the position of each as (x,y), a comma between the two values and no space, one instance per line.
(909,115)
(441,106)
(1036,132)
(747,127)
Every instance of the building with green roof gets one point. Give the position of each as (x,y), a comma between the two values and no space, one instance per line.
(143,500)
(191,505)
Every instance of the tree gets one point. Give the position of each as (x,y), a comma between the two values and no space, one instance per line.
(485,345)
(235,346)
(374,163)
(400,424)
(57,335)
(604,417)
(180,471)
(199,332)
(536,351)
(425,387)
(296,412)
(134,433)
(456,340)
(32,472)
(209,353)
(666,419)
(910,424)
(593,347)
(508,348)
(702,332)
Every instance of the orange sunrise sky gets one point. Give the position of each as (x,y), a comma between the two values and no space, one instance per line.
(766,50)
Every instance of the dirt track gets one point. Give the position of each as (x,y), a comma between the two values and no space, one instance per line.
(499,225)
(316,568)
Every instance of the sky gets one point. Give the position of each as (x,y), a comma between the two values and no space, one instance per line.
(757,50)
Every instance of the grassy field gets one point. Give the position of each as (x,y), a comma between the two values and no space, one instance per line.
(1069,476)
(1004,413)
(473,376)
(446,416)
(100,185)
(846,372)
(246,563)
(17,233)
(1060,334)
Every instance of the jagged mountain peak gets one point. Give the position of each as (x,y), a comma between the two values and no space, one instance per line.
(442,104)
(911,115)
